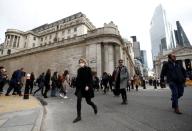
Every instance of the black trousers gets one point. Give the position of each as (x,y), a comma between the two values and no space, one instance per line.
(47,88)
(31,87)
(1,86)
(79,99)
(41,87)
(16,87)
(123,94)
(105,88)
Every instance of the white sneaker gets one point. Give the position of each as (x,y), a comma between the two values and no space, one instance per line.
(65,97)
(61,95)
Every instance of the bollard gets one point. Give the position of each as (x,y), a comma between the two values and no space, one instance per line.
(27,86)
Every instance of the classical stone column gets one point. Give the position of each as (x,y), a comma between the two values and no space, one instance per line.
(14,42)
(106,58)
(11,41)
(99,60)
(18,41)
(117,54)
(111,59)
(5,43)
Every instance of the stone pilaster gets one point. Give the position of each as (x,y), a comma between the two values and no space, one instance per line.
(99,64)
(111,60)
(11,41)
(18,41)
(106,58)
(117,54)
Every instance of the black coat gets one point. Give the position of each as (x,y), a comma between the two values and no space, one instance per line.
(84,78)
(174,72)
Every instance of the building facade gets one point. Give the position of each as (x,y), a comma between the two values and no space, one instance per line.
(183,56)
(161,33)
(61,44)
(181,37)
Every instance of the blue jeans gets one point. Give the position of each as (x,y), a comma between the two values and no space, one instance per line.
(177,90)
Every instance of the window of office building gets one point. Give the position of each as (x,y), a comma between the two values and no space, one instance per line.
(50,36)
(34,38)
(25,45)
(75,29)
(41,39)
(1,52)
(33,44)
(69,30)
(9,51)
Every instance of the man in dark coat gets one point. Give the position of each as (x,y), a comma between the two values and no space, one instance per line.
(3,78)
(176,77)
(84,88)
(16,82)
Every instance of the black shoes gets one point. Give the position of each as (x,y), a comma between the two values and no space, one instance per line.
(77,119)
(124,103)
(95,110)
(177,111)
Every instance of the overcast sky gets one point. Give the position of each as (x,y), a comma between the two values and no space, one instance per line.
(131,16)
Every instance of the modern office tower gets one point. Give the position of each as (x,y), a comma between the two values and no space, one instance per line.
(136,48)
(161,33)
(144,57)
(181,37)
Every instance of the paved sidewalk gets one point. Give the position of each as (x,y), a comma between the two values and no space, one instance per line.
(17,114)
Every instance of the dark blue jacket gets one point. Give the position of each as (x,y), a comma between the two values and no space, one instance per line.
(16,76)
(174,72)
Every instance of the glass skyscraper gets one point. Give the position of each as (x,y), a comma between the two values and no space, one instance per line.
(161,33)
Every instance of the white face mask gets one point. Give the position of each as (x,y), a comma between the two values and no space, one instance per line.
(82,64)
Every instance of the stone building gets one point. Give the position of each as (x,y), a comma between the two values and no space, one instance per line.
(61,44)
(183,56)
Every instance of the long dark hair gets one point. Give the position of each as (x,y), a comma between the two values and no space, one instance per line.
(66,72)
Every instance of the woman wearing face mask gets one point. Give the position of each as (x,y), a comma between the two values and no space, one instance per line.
(84,88)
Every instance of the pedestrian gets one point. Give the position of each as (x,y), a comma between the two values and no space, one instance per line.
(105,81)
(137,82)
(47,82)
(143,83)
(3,78)
(84,88)
(40,82)
(16,82)
(66,83)
(27,87)
(95,81)
(132,83)
(121,79)
(176,76)
(155,83)
(32,79)
(73,82)
(128,85)
(110,81)
(54,84)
